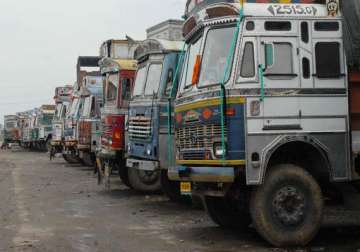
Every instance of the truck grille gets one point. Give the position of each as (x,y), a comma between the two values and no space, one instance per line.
(193,155)
(139,128)
(85,133)
(106,129)
(198,136)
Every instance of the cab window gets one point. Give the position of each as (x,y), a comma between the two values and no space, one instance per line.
(113,81)
(215,56)
(169,82)
(328,60)
(153,79)
(126,89)
(140,81)
(190,60)
(282,63)
(248,61)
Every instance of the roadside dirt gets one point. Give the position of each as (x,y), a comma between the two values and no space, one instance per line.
(53,206)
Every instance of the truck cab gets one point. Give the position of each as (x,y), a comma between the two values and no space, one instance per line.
(11,129)
(43,127)
(89,122)
(86,66)
(118,69)
(263,127)
(71,127)
(26,129)
(147,160)
(62,100)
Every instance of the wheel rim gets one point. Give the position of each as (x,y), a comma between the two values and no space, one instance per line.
(289,206)
(148,177)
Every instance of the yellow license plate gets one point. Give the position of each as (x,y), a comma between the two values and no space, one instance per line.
(185,187)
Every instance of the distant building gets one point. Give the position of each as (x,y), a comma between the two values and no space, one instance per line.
(169,30)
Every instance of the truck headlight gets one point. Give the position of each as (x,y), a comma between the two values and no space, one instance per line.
(149,151)
(219,151)
(129,147)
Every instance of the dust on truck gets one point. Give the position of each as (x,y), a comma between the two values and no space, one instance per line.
(62,100)
(118,68)
(148,159)
(267,115)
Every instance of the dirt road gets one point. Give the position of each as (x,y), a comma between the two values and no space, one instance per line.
(52,206)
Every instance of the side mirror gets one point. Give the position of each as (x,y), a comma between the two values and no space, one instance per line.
(269,55)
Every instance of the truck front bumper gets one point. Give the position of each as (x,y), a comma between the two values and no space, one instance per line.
(107,154)
(202,174)
(70,143)
(146,165)
(84,147)
(56,143)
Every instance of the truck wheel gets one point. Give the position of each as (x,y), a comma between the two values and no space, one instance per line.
(144,181)
(172,189)
(124,176)
(48,145)
(87,159)
(70,159)
(226,214)
(287,209)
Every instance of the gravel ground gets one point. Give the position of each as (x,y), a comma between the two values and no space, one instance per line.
(53,206)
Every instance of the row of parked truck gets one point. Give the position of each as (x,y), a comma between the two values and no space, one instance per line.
(251,105)
(31,129)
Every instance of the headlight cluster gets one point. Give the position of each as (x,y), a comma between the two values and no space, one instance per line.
(149,150)
(219,152)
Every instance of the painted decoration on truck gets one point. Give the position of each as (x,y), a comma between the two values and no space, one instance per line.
(332,7)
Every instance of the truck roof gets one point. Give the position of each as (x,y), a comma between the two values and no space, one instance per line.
(108,65)
(153,46)
(193,6)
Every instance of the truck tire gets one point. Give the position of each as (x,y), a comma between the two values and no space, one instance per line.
(224,213)
(287,209)
(48,146)
(144,181)
(124,176)
(87,159)
(70,159)
(172,189)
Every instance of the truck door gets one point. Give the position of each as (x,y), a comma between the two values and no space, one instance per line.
(280,62)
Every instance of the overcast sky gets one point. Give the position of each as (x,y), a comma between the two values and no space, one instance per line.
(40,41)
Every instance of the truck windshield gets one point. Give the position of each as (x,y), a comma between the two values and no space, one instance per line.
(113,83)
(140,81)
(153,79)
(46,119)
(217,46)
(10,125)
(63,111)
(58,111)
(193,50)
(87,107)
(74,106)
